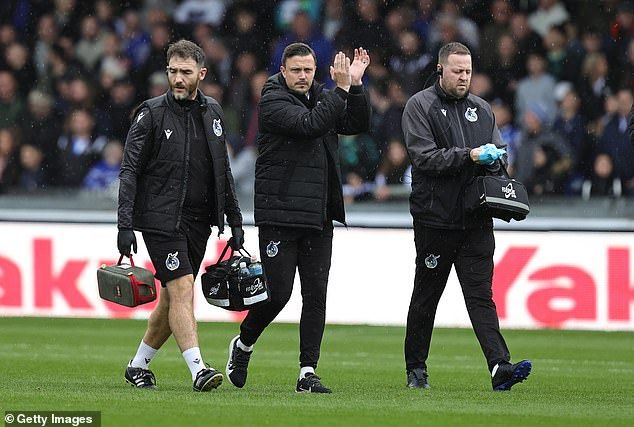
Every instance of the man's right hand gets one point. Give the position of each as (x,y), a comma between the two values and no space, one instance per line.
(486,154)
(126,240)
(340,71)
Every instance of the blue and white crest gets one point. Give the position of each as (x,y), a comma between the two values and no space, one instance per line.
(217,127)
(432,261)
(271,249)
(172,262)
(470,114)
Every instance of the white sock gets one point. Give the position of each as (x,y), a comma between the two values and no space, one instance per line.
(143,356)
(241,346)
(194,361)
(306,370)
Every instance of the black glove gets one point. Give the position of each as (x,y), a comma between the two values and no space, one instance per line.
(125,240)
(237,238)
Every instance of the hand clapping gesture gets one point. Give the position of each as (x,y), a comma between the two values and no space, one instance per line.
(358,66)
(340,71)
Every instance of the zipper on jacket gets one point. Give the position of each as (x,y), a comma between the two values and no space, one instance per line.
(186,177)
(464,143)
(327,182)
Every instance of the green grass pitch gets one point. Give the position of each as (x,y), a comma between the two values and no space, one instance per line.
(578,378)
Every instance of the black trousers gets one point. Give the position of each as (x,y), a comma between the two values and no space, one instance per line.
(471,252)
(284,250)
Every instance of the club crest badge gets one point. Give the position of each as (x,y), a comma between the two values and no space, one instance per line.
(172,262)
(271,249)
(432,261)
(217,127)
(471,115)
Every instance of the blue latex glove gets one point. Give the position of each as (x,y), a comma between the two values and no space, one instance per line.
(490,153)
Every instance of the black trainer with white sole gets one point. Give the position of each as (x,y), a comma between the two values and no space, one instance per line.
(140,378)
(207,379)
(237,364)
(311,383)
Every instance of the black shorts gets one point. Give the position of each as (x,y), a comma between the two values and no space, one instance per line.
(178,255)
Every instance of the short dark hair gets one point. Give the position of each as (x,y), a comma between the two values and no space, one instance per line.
(453,48)
(297,49)
(186,50)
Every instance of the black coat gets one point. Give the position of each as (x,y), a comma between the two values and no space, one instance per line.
(440,133)
(298,154)
(155,167)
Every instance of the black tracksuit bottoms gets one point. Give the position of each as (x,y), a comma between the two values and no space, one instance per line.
(283,251)
(471,252)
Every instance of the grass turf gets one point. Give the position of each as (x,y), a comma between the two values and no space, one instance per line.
(578,378)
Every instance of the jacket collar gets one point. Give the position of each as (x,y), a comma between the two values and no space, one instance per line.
(445,96)
(278,80)
(176,107)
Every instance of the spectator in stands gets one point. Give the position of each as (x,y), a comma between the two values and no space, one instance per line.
(247,37)
(543,158)
(367,29)
(113,64)
(556,55)
(631,128)
(506,70)
(615,141)
(590,43)
(622,28)
(11,104)
(303,30)
(104,10)
(595,85)
(104,175)
(200,11)
(482,86)
(394,171)
(8,160)
(243,154)
(122,100)
(155,62)
(90,46)
(157,84)
(410,64)
(570,124)
(135,42)
(527,40)
(501,17)
(467,29)
(537,87)
(219,60)
(42,127)
(510,134)
(549,13)
(46,37)
(603,181)
(16,57)
(333,21)
(78,148)
(32,175)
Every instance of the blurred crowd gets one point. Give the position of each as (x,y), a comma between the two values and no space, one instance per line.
(559,75)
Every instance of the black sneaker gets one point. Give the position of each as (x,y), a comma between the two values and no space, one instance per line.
(207,379)
(311,384)
(237,364)
(139,377)
(417,378)
(508,375)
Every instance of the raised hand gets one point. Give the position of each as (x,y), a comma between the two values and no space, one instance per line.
(359,64)
(340,71)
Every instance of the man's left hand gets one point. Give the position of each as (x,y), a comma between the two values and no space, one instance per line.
(237,238)
(359,64)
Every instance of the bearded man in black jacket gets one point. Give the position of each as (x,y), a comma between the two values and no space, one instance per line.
(175,183)
(298,195)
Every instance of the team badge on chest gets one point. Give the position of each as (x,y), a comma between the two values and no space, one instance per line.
(217,127)
(470,114)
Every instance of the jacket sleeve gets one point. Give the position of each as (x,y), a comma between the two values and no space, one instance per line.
(496,139)
(278,114)
(135,153)
(632,125)
(422,148)
(356,117)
